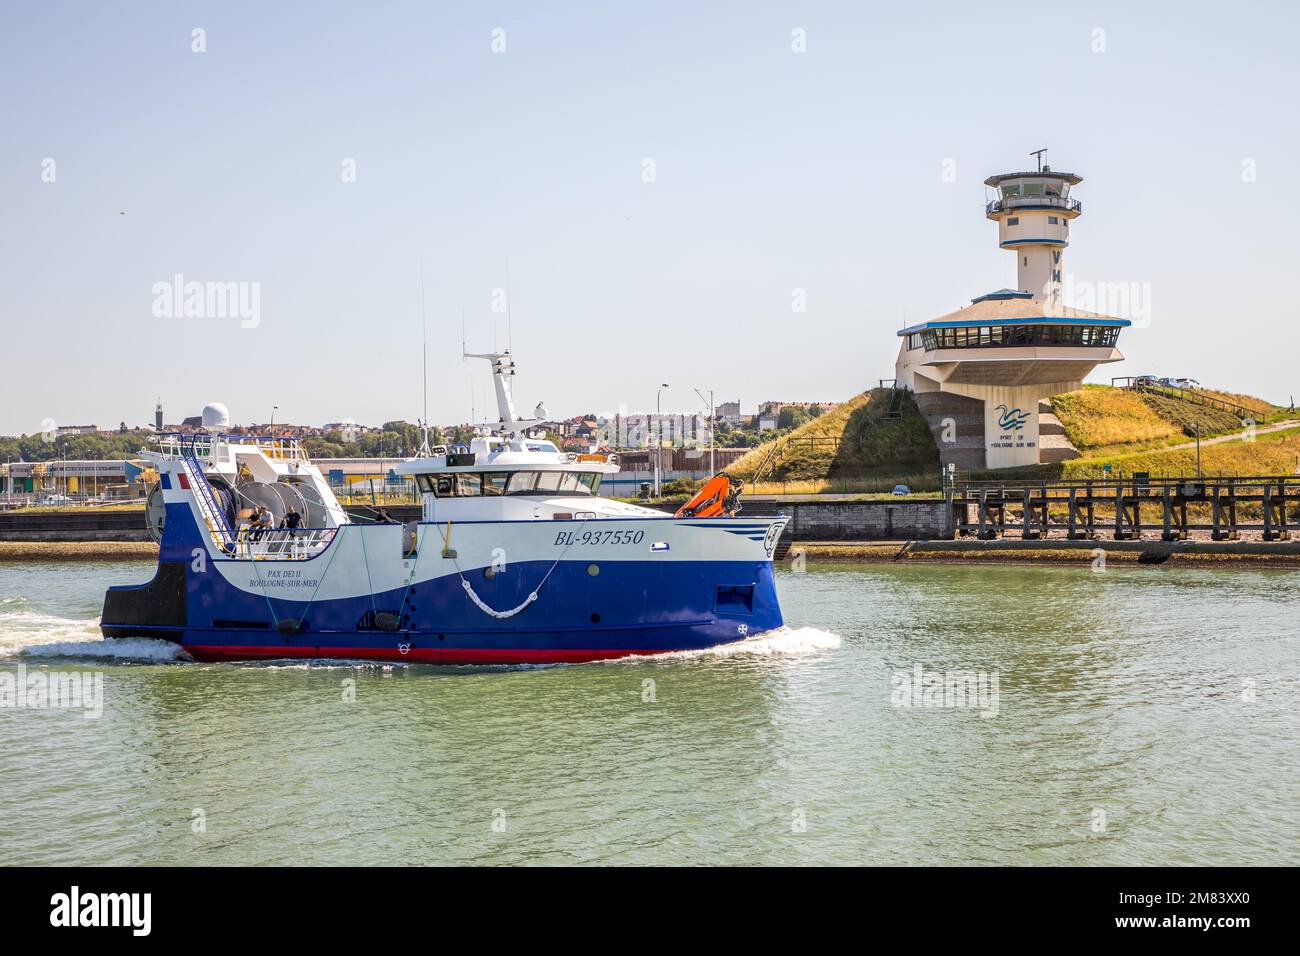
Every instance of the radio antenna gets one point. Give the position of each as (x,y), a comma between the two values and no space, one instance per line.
(425,450)
(510,320)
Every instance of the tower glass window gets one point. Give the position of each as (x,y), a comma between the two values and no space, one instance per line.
(1011,336)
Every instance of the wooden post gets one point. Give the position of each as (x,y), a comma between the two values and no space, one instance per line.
(1216,516)
(1283,531)
(1026,522)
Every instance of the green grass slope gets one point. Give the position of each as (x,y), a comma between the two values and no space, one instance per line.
(857,438)
(1099,419)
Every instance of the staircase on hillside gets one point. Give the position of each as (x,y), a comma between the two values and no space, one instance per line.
(1053,446)
(959,419)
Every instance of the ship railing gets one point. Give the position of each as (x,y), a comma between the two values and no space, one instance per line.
(283,544)
(1018,202)
(204,446)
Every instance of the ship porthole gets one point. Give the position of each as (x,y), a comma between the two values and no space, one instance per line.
(595,618)
(489,573)
(593,569)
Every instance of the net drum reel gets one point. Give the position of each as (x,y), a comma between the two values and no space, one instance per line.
(277,497)
(314,511)
(155,513)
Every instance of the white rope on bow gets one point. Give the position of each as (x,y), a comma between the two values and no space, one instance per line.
(532,595)
(500,615)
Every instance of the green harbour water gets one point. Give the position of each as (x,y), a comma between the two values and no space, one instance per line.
(1142,715)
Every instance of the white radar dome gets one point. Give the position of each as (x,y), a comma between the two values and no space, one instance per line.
(215,416)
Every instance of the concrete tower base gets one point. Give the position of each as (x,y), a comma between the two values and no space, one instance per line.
(969,433)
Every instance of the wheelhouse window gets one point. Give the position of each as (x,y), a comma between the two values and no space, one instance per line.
(461,485)
(498,483)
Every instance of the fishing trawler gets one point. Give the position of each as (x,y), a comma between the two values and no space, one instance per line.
(516,558)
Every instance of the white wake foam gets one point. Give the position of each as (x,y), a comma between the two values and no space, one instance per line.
(33,634)
(116,648)
(781,642)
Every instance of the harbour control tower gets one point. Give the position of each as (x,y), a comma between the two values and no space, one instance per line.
(982,375)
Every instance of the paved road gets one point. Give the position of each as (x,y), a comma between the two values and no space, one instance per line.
(1236,436)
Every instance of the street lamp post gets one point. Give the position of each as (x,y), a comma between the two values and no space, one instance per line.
(713,467)
(658,433)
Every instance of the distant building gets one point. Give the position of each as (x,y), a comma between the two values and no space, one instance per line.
(158,415)
(646,430)
(774,409)
(76,430)
(729,412)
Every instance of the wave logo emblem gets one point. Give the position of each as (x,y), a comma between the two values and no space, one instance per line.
(1012,419)
(404,648)
(773,535)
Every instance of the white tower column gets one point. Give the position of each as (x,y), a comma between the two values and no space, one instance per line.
(1038,270)
(1033,212)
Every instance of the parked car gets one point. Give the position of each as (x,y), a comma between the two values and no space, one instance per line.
(54,500)
(901,490)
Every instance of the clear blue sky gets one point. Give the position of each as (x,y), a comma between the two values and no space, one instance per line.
(775,171)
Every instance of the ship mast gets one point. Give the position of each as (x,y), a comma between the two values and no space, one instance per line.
(503,367)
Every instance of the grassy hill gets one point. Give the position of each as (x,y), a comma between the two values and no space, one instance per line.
(858,439)
(1275,453)
(858,447)
(1101,420)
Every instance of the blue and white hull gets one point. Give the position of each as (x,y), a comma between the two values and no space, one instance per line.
(504,591)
